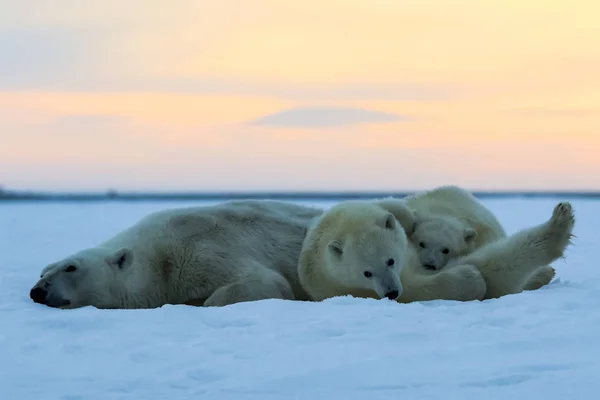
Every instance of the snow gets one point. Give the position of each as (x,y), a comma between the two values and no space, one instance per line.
(534,345)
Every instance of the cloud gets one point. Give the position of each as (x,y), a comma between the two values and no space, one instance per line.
(48,58)
(73,127)
(77,139)
(362,91)
(97,57)
(556,112)
(320,117)
(82,122)
(67,67)
(108,48)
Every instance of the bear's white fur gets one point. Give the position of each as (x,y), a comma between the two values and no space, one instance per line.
(495,269)
(508,265)
(355,247)
(347,222)
(213,256)
(459,204)
(449,217)
(439,239)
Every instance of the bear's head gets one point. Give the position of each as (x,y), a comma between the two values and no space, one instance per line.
(440,239)
(91,277)
(371,255)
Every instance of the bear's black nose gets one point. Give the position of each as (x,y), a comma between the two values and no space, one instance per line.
(38,295)
(393,295)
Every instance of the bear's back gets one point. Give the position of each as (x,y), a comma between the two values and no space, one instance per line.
(266,230)
(227,235)
(455,202)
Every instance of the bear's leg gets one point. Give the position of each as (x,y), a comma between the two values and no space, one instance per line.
(460,283)
(507,263)
(257,283)
(541,277)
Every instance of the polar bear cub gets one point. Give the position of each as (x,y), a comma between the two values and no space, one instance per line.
(439,239)
(460,208)
(356,248)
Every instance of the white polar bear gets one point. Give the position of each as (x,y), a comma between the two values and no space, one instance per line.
(355,247)
(439,239)
(450,222)
(493,270)
(213,256)
(365,243)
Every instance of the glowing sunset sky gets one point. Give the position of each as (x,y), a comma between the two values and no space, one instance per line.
(299,94)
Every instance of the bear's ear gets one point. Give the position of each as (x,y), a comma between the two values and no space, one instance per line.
(416,220)
(470,234)
(336,247)
(404,215)
(388,221)
(121,258)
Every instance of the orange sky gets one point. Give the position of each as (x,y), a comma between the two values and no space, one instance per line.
(300,95)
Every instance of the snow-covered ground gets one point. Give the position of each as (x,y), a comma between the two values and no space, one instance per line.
(534,345)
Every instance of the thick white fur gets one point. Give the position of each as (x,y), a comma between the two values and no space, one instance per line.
(455,202)
(351,239)
(507,265)
(456,206)
(213,256)
(348,220)
(495,269)
(439,239)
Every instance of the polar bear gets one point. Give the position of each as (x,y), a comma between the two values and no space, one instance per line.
(457,207)
(493,270)
(356,227)
(209,255)
(512,264)
(439,239)
(355,247)
(451,218)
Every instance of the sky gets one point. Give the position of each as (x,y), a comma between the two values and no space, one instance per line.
(243,95)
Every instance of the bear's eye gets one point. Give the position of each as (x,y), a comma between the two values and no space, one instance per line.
(422,245)
(70,268)
(368,274)
(445,251)
(390,262)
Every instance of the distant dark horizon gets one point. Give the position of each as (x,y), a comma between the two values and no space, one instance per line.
(157,195)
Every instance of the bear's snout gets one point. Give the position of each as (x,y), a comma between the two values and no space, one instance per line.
(38,295)
(393,295)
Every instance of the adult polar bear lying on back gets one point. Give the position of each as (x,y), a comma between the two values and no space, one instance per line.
(336,250)
(215,255)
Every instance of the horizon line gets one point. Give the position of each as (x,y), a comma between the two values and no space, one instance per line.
(114,195)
